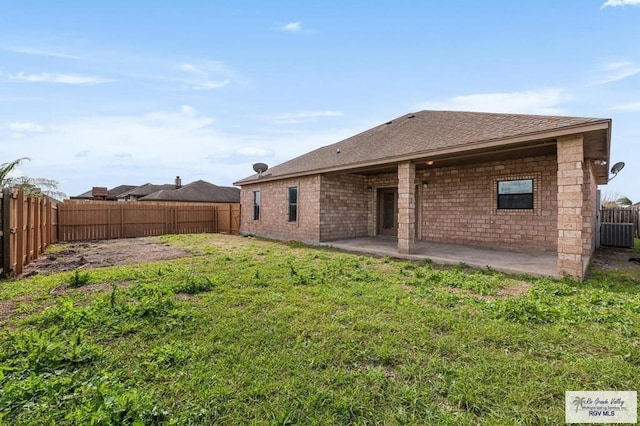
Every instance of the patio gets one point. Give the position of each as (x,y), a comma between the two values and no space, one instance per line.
(509,261)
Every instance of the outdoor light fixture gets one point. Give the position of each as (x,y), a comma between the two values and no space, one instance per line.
(425,184)
(369,188)
(430,163)
(615,169)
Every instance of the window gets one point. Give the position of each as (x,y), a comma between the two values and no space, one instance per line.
(515,194)
(293,203)
(256,205)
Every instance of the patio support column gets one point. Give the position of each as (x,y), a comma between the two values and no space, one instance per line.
(406,207)
(570,201)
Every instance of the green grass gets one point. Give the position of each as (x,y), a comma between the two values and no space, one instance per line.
(254,332)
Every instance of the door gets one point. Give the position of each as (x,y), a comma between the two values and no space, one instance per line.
(388,211)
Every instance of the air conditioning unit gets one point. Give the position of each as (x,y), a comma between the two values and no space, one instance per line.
(616,234)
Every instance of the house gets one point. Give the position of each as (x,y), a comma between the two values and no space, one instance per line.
(142,191)
(104,194)
(199,191)
(500,180)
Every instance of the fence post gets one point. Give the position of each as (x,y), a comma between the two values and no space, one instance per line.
(6,231)
(20,234)
(37,210)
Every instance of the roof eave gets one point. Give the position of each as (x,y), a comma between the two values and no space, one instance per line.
(522,140)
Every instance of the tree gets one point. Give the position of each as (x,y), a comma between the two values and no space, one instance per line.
(624,201)
(34,187)
(612,201)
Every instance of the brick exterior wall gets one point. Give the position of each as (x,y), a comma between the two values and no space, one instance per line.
(589,207)
(406,207)
(344,207)
(571,194)
(459,205)
(273,221)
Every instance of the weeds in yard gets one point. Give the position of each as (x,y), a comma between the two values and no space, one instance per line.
(285,333)
(79,279)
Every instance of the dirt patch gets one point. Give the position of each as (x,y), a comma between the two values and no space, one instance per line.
(65,289)
(97,254)
(613,258)
(7,308)
(514,289)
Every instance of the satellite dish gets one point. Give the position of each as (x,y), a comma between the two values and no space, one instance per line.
(260,168)
(617,167)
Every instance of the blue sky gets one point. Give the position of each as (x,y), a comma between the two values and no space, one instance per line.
(102,93)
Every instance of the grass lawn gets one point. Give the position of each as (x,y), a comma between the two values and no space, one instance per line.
(254,332)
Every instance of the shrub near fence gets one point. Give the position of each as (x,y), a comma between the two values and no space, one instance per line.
(102,220)
(28,225)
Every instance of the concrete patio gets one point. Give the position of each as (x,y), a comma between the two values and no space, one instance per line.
(509,261)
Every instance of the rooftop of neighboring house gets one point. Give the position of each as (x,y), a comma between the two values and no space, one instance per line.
(437,135)
(144,190)
(112,193)
(199,191)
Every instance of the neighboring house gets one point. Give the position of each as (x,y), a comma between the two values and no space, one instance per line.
(199,191)
(506,180)
(104,194)
(144,190)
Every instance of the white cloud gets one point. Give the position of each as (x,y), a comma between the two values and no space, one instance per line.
(628,107)
(87,150)
(209,85)
(545,101)
(37,52)
(615,3)
(300,117)
(200,75)
(59,78)
(616,71)
(294,27)
(191,68)
(26,127)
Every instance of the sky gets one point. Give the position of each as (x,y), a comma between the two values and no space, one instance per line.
(104,93)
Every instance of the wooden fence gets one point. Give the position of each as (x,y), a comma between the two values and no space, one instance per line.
(28,225)
(102,220)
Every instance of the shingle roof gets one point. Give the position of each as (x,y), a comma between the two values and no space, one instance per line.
(198,191)
(146,189)
(421,133)
(112,193)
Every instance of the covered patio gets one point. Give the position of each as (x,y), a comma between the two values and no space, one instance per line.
(509,261)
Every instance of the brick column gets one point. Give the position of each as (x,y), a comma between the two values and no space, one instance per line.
(570,202)
(406,207)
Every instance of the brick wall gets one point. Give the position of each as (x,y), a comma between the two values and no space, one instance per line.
(344,204)
(589,225)
(273,221)
(459,205)
(571,193)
